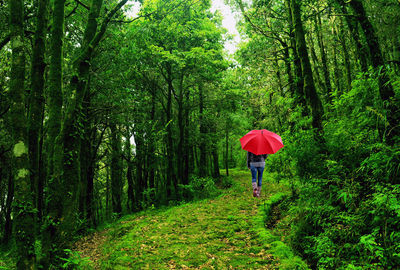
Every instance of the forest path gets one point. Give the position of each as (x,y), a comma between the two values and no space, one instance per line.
(214,233)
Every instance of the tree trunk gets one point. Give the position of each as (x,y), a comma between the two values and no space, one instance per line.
(181,128)
(203,131)
(315,64)
(309,86)
(116,170)
(55,80)
(336,70)
(36,106)
(55,198)
(385,87)
(88,137)
(108,188)
(396,54)
(140,183)
(346,57)
(23,210)
(288,68)
(324,58)
(186,154)
(352,24)
(90,206)
(129,175)
(227,148)
(8,209)
(298,75)
(151,161)
(278,74)
(215,172)
(171,179)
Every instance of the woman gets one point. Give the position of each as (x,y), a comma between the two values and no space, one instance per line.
(256,164)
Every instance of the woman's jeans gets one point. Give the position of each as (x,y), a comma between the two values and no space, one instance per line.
(254,171)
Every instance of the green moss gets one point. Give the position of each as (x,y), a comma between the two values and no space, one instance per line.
(22,173)
(20,149)
(212,233)
(273,244)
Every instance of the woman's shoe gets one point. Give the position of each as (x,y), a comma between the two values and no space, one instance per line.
(258,191)
(254,189)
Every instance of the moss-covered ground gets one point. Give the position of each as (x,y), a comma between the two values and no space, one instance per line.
(216,233)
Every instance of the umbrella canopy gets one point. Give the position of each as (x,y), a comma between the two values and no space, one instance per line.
(261,142)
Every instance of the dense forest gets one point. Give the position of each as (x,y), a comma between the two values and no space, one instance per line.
(104,112)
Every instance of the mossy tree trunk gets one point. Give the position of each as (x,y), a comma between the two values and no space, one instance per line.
(186,155)
(36,105)
(336,71)
(351,22)
(203,131)
(23,205)
(324,58)
(385,87)
(310,92)
(181,128)
(8,210)
(116,170)
(129,173)
(151,160)
(55,87)
(226,155)
(171,177)
(298,92)
(139,164)
(346,56)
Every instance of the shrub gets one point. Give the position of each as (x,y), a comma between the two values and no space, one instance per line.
(203,187)
(198,188)
(226,181)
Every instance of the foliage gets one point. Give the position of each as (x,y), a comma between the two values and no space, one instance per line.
(347,213)
(199,188)
(226,181)
(287,259)
(75,261)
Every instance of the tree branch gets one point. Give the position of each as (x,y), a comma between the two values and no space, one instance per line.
(82,4)
(5,40)
(73,11)
(96,39)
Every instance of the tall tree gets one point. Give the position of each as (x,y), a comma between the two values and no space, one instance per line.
(299,89)
(55,90)
(116,170)
(309,87)
(324,57)
(385,87)
(23,202)
(36,105)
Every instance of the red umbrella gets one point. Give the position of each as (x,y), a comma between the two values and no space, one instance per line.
(261,142)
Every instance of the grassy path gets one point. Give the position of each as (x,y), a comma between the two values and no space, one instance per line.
(210,234)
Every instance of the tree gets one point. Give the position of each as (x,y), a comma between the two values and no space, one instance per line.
(24,208)
(309,87)
(36,108)
(385,87)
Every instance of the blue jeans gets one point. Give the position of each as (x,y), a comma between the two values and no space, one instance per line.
(254,171)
